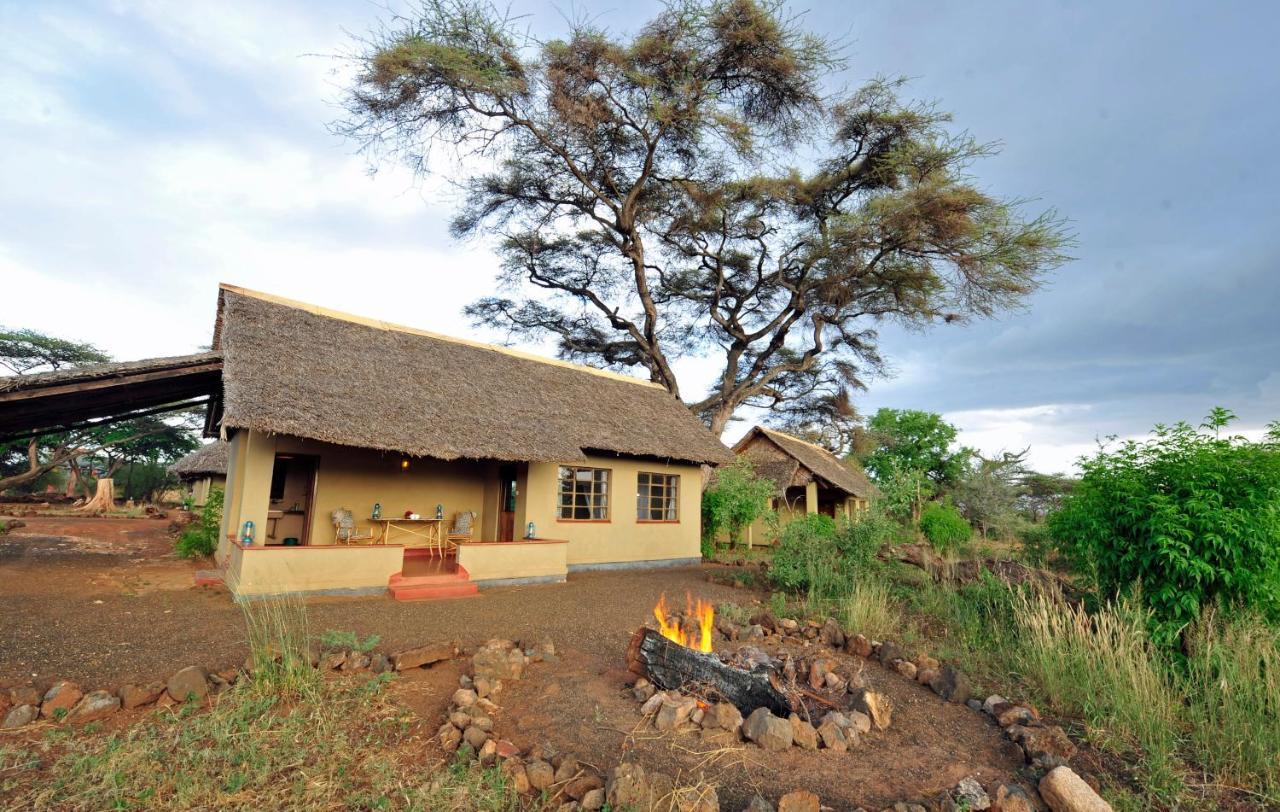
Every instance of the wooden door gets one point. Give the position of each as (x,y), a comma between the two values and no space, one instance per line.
(507,505)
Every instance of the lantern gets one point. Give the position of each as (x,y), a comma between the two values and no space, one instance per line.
(528,533)
(248,533)
(377,510)
(439,511)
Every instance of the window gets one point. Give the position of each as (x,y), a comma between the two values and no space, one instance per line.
(584,494)
(658,498)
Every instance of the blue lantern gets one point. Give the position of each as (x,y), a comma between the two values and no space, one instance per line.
(248,534)
(377,510)
(439,511)
(528,533)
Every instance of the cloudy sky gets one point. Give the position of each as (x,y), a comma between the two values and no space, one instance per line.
(149,150)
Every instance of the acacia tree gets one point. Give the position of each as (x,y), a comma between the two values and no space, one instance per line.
(694,188)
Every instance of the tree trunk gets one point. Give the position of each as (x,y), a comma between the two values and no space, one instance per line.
(104,499)
(671,666)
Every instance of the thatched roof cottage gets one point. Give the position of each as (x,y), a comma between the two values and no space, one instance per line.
(202,470)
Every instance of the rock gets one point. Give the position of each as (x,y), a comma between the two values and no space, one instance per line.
(483,686)
(798,801)
(516,776)
(541,774)
(94,706)
(832,735)
(464,698)
(1046,747)
(875,705)
(991,702)
(488,752)
(925,661)
(378,663)
(25,695)
(424,655)
(356,661)
(506,749)
(1013,798)
(20,715)
(333,660)
(651,705)
(803,734)
(832,634)
(483,722)
(788,625)
(700,798)
(818,673)
(567,770)
(926,676)
(60,699)
(643,689)
(835,683)
(498,663)
(758,804)
(594,799)
(767,730)
(860,721)
(970,795)
(578,788)
(951,685)
(1014,715)
(906,668)
(858,644)
(974,705)
(460,719)
(189,684)
(475,737)
(450,737)
(889,652)
(674,711)
(1064,791)
(628,787)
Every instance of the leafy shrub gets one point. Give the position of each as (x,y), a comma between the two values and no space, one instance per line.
(859,540)
(200,538)
(736,499)
(805,552)
(1037,544)
(944,527)
(1192,516)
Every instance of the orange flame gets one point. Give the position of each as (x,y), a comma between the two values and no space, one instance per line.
(703,612)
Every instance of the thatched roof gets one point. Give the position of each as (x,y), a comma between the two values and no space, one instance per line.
(820,462)
(95,372)
(207,460)
(293,368)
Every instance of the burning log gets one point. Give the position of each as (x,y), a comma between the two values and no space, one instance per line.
(672,666)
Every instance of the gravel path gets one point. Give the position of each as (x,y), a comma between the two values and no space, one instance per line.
(54,627)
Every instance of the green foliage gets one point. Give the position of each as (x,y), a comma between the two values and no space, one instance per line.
(913,440)
(342,640)
(944,527)
(736,499)
(805,553)
(23,351)
(1192,516)
(200,538)
(1036,544)
(901,489)
(860,539)
(988,493)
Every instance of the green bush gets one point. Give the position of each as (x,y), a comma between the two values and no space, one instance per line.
(1037,544)
(1190,515)
(736,499)
(201,536)
(805,552)
(858,541)
(944,527)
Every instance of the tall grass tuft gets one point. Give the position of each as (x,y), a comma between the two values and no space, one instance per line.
(279,634)
(865,608)
(1104,668)
(1232,686)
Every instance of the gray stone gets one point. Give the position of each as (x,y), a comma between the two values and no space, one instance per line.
(875,705)
(674,711)
(191,683)
(94,706)
(951,685)
(889,652)
(832,735)
(60,699)
(767,730)
(424,655)
(803,734)
(541,774)
(19,716)
(475,737)
(1064,791)
(991,702)
(757,804)
(860,721)
(135,696)
(970,795)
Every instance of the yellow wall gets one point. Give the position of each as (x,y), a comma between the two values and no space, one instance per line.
(201,487)
(248,493)
(270,570)
(514,560)
(622,538)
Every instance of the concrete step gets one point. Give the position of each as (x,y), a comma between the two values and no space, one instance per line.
(432,587)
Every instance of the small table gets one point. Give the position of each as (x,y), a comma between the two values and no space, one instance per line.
(423,532)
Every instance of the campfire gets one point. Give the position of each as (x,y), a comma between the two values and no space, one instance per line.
(676,629)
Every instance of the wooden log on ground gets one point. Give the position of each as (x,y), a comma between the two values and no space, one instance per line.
(671,666)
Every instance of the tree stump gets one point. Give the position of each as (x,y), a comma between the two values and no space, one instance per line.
(104,499)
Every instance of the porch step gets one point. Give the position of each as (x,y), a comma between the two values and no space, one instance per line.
(456,584)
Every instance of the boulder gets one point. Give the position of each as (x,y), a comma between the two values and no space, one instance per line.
(464,698)
(925,661)
(674,711)
(832,734)
(628,787)
(94,706)
(25,695)
(424,655)
(758,804)
(991,702)
(831,633)
(460,719)
(1013,798)
(970,795)
(926,676)
(652,704)
(378,663)
(567,769)
(20,715)
(450,737)
(1064,791)
(578,788)
(541,774)
(767,730)
(643,689)
(189,684)
(951,685)
(58,701)
(506,749)
(488,752)
(875,705)
(859,645)
(889,652)
(498,663)
(475,737)
(517,778)
(356,661)
(1046,747)
(860,722)
(798,800)
(1007,714)
(803,734)
(593,800)
(906,668)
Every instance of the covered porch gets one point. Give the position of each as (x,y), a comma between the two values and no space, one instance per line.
(283,530)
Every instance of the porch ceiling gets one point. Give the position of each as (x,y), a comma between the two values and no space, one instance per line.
(76,398)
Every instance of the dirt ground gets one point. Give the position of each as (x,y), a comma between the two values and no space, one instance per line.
(104,602)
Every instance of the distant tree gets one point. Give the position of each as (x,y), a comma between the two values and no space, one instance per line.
(695,189)
(1043,493)
(988,492)
(916,446)
(23,351)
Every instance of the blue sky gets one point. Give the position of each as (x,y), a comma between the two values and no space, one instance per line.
(149,150)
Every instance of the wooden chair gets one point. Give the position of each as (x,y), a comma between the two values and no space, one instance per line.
(464,526)
(345,525)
